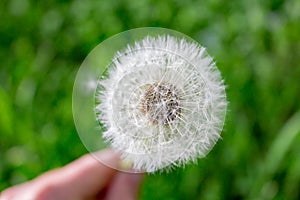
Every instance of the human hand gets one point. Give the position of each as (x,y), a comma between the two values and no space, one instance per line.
(83,179)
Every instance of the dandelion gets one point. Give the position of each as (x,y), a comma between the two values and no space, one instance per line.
(162,103)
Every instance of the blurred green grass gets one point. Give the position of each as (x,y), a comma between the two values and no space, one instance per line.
(256,45)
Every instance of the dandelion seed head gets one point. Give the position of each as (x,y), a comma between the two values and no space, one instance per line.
(162,104)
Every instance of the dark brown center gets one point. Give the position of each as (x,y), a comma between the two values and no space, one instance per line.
(161,103)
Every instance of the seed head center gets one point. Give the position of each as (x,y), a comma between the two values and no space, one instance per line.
(161,103)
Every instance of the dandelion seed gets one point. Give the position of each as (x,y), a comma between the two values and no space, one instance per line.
(163,103)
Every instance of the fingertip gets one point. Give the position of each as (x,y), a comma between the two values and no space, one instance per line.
(107,157)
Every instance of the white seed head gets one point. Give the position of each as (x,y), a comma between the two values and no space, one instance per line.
(163,103)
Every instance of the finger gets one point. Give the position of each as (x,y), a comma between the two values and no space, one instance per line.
(78,180)
(125,186)
(10,193)
(83,177)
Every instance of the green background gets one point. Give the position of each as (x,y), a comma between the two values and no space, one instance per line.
(256,45)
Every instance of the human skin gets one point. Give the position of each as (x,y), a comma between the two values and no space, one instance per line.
(83,179)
